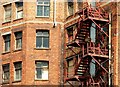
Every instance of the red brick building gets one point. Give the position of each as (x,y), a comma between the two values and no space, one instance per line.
(31,42)
(33,39)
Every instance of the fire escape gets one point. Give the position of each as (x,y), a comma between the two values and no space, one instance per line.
(89,65)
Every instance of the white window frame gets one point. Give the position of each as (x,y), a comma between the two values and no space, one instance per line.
(17,17)
(43,8)
(45,74)
(4,36)
(16,39)
(7,6)
(42,36)
(4,71)
(70,7)
(18,69)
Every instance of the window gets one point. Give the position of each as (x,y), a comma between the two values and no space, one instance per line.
(70,65)
(70,33)
(70,7)
(41,70)
(6,42)
(80,4)
(18,71)
(6,73)
(8,11)
(42,39)
(43,7)
(18,36)
(19,9)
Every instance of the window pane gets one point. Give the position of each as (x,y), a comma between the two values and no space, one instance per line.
(46,2)
(41,64)
(46,33)
(45,64)
(39,33)
(7,42)
(6,72)
(6,67)
(46,42)
(42,39)
(18,70)
(19,43)
(43,7)
(7,12)
(45,74)
(20,14)
(19,4)
(7,37)
(18,74)
(42,70)
(70,7)
(18,40)
(6,75)
(38,42)
(18,35)
(40,2)
(18,65)
(7,46)
(39,10)
(38,64)
(70,62)
(46,11)
(39,73)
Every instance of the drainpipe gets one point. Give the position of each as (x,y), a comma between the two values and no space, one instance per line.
(54,14)
(110,50)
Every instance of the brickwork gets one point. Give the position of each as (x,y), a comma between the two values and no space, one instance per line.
(54,54)
(29,54)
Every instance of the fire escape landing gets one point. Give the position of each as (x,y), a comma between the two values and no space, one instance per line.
(93,50)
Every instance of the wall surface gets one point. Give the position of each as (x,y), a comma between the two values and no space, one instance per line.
(29,54)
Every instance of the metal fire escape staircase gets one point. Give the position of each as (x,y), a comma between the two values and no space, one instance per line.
(90,50)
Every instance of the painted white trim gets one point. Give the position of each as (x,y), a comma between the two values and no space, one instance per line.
(105,4)
(50,22)
(6,33)
(7,3)
(72,19)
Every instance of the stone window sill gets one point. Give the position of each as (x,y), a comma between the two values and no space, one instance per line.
(18,50)
(41,80)
(42,16)
(16,81)
(6,52)
(6,82)
(18,19)
(42,48)
(6,22)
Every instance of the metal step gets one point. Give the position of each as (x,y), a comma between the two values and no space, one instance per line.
(86,30)
(83,66)
(80,73)
(82,38)
(81,35)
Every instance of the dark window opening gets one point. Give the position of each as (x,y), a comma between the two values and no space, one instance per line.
(6,73)
(7,42)
(18,36)
(70,7)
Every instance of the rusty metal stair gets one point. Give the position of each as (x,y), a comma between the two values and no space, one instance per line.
(83,67)
(83,32)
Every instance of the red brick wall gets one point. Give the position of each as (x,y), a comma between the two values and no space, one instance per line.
(28,25)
